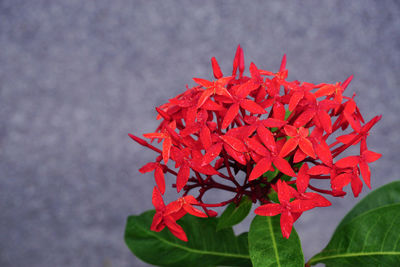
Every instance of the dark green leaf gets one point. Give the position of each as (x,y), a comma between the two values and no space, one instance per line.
(234,215)
(267,247)
(387,194)
(368,235)
(206,246)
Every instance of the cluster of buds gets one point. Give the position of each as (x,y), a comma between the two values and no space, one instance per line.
(276,132)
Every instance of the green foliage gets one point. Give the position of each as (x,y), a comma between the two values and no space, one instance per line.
(234,215)
(267,247)
(206,245)
(369,234)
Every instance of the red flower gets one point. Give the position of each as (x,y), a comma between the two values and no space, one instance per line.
(271,130)
(285,208)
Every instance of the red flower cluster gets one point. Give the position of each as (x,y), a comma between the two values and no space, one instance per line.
(274,131)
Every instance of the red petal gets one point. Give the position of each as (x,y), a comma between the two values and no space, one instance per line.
(216,69)
(318,170)
(350,161)
(366,173)
(212,152)
(204,96)
(304,118)
(345,139)
(283,166)
(166,149)
(203,82)
(154,135)
(239,157)
(211,105)
(283,64)
(318,200)
(307,147)
(340,181)
(286,224)
(268,210)
(160,180)
(299,156)
(301,205)
(325,121)
(278,111)
(205,137)
(325,90)
(182,177)
(290,130)
(230,115)
(190,129)
(193,211)
(323,152)
(157,224)
(157,200)
(266,137)
(255,74)
(371,156)
(254,145)
(175,229)
(270,122)
(294,100)
(261,167)
(289,146)
(356,185)
(235,143)
(284,191)
(252,106)
(236,60)
(302,179)
(148,167)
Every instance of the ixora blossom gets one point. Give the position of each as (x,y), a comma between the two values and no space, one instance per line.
(277,132)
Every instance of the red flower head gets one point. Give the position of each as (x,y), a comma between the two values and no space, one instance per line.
(277,132)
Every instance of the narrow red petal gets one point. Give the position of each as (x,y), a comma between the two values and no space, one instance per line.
(366,173)
(268,210)
(166,149)
(148,167)
(350,161)
(157,200)
(302,178)
(252,106)
(289,146)
(203,82)
(205,137)
(160,180)
(230,115)
(182,177)
(325,90)
(193,211)
(235,143)
(266,137)
(307,147)
(216,69)
(283,166)
(371,156)
(286,224)
(261,167)
(295,99)
(211,153)
(324,153)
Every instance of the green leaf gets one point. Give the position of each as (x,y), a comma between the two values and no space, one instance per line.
(368,235)
(387,194)
(206,246)
(234,215)
(267,247)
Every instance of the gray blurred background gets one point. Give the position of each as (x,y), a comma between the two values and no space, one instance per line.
(77,76)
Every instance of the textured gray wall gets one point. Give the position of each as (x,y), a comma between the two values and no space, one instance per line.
(77,76)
